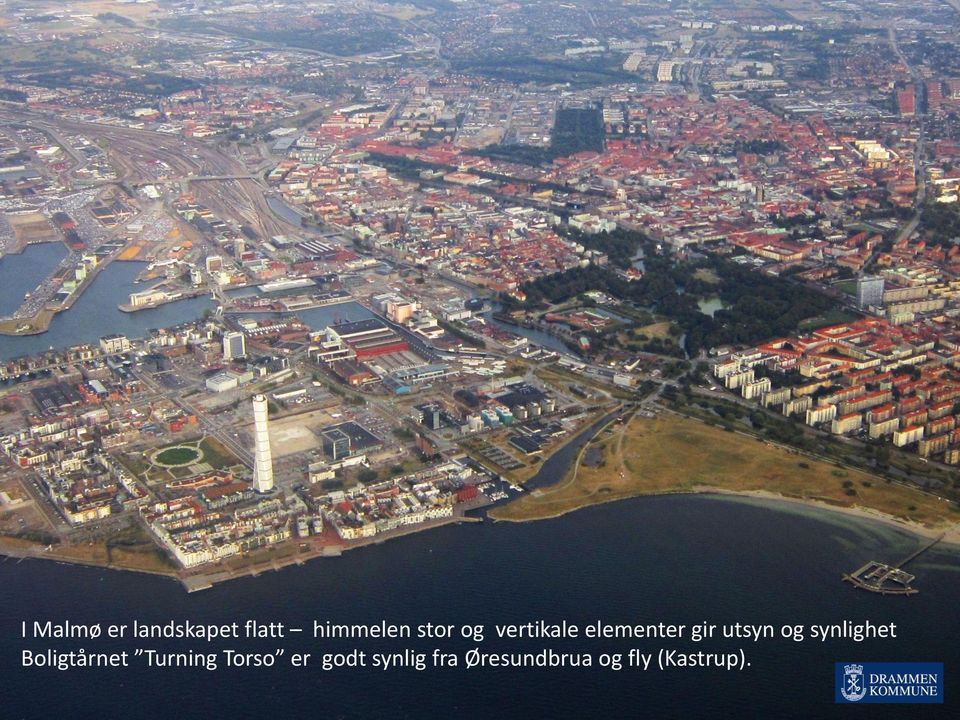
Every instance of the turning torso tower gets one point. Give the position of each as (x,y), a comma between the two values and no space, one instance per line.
(263,460)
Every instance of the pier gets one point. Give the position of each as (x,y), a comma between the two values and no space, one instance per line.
(170,297)
(886,579)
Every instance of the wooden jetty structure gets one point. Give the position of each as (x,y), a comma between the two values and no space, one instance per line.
(886,579)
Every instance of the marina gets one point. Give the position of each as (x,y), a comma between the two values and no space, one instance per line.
(886,579)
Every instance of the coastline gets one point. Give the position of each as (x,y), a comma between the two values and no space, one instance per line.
(38,323)
(951,533)
(205,578)
(202,578)
(20,552)
(947,532)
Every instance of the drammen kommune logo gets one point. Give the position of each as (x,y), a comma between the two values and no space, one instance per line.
(889,682)
(853,688)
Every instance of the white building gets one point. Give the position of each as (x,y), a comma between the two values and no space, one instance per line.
(263,458)
(234,346)
(112,344)
(222,381)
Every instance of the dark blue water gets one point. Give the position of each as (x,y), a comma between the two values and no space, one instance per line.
(96,314)
(21,274)
(538,337)
(680,559)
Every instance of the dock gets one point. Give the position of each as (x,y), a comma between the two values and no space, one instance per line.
(887,579)
(169,298)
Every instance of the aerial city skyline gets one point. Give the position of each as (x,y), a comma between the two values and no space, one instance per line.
(283,282)
(431,263)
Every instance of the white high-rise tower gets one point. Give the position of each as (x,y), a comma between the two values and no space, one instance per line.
(234,346)
(263,459)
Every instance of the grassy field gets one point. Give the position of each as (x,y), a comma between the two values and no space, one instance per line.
(177,456)
(147,558)
(131,549)
(37,323)
(182,458)
(707,275)
(403,13)
(847,286)
(834,316)
(216,454)
(670,454)
(659,330)
(137,12)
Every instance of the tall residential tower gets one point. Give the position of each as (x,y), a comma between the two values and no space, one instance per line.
(234,346)
(263,459)
(869,291)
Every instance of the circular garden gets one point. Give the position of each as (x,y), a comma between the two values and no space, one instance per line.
(177,456)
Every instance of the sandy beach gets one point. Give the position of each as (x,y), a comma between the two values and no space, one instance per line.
(950,533)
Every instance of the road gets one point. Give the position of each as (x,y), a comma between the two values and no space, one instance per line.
(222,431)
(919,149)
(918,152)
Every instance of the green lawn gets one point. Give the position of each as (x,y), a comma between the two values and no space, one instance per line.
(831,317)
(177,456)
(847,286)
